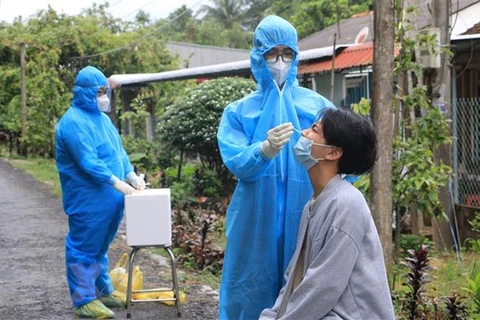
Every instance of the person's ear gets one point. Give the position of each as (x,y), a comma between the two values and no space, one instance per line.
(334,154)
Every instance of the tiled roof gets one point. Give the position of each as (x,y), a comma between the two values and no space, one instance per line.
(352,57)
(473,30)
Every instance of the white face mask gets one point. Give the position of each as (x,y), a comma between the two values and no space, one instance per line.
(279,70)
(103,103)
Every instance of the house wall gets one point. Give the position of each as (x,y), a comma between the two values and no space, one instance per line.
(323,85)
(340,99)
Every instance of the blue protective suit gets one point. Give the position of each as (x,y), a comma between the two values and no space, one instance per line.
(264,213)
(88,152)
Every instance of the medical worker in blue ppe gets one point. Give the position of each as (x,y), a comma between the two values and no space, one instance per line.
(92,165)
(256,138)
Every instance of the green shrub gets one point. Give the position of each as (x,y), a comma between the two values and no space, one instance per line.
(473,288)
(474,244)
(206,183)
(148,155)
(413,241)
(191,123)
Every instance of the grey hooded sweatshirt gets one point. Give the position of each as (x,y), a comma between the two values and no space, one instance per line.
(337,270)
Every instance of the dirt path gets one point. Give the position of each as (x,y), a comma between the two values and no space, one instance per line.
(32,272)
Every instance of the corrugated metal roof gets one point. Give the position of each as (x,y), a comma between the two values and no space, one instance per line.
(237,68)
(354,56)
(347,30)
(466,37)
(231,68)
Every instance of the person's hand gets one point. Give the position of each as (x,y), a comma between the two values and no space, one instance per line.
(136,181)
(276,139)
(124,188)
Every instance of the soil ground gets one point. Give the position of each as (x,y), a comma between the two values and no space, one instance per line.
(32,269)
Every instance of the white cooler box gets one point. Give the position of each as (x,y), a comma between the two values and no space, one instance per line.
(148,218)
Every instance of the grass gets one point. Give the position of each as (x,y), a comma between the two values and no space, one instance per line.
(450,274)
(43,170)
(192,276)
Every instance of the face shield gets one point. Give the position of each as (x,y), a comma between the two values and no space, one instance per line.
(104,96)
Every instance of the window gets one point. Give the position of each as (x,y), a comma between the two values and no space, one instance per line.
(357,86)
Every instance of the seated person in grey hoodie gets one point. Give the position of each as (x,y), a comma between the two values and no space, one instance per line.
(337,270)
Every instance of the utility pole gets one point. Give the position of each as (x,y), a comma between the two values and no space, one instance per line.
(382,117)
(332,74)
(23,98)
(441,98)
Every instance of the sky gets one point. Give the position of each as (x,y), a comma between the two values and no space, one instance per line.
(124,9)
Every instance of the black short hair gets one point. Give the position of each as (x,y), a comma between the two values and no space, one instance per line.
(354,134)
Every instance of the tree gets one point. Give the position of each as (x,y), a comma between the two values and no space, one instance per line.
(257,10)
(190,124)
(284,8)
(142,19)
(419,129)
(382,117)
(183,27)
(226,12)
(311,16)
(317,15)
(57,46)
(179,21)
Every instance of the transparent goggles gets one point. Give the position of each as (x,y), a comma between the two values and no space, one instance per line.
(272,56)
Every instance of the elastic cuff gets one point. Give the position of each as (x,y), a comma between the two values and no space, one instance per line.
(106,291)
(267,151)
(84,301)
(113,180)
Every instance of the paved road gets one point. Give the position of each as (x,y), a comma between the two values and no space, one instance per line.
(32,272)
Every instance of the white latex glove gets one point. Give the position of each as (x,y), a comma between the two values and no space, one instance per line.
(124,187)
(276,139)
(136,181)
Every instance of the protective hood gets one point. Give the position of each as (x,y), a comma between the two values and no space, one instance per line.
(87,83)
(266,207)
(88,152)
(271,32)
